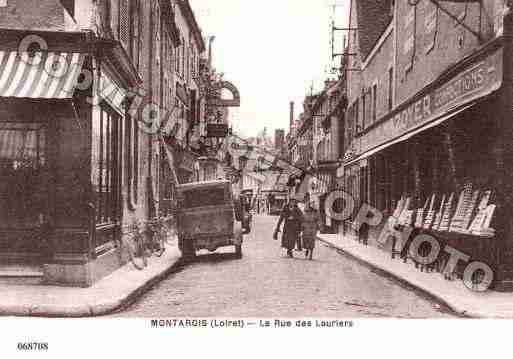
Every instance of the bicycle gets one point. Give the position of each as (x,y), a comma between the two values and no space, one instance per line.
(160,232)
(146,241)
(136,247)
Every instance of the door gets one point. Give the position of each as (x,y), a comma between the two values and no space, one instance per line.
(24,196)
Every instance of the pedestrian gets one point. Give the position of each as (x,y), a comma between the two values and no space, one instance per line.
(310,226)
(291,217)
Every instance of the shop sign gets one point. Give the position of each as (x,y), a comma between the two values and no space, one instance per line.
(216,130)
(475,82)
(233,102)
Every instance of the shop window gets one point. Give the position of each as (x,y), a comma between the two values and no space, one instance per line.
(364,110)
(189,63)
(182,69)
(410,44)
(135,159)
(165,91)
(107,16)
(368,107)
(166,184)
(431,28)
(23,174)
(390,88)
(357,116)
(105,152)
(349,125)
(132,159)
(177,60)
(135,31)
(374,101)
(193,63)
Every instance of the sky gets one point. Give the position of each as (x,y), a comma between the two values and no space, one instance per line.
(272,50)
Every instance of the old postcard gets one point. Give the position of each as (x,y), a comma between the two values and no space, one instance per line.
(308,168)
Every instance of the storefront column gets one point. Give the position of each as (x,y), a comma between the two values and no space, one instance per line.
(393,181)
(417,180)
(448,142)
(405,164)
(386,192)
(435,184)
(370,177)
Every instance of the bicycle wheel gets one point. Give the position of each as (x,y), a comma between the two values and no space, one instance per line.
(159,252)
(136,255)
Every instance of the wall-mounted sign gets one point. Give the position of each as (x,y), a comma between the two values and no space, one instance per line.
(216,130)
(233,102)
(181,93)
(112,93)
(221,114)
(478,80)
(187,161)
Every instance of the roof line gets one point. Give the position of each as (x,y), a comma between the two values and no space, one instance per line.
(191,19)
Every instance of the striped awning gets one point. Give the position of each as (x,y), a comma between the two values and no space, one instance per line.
(49,75)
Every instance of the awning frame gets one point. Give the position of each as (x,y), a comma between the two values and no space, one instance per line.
(449,115)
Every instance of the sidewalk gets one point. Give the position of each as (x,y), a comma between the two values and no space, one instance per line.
(454,294)
(106,296)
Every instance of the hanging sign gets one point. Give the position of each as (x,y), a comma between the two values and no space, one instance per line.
(233,102)
(217,130)
(181,93)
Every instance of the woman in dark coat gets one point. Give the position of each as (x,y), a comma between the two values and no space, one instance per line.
(310,226)
(292,217)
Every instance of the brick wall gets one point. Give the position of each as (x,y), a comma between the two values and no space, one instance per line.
(421,43)
(438,41)
(375,68)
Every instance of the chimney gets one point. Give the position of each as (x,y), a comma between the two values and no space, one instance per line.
(210,41)
(291,122)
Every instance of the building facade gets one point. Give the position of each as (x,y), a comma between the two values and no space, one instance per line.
(428,121)
(103,106)
(315,145)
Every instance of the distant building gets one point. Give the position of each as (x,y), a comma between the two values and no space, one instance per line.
(279,140)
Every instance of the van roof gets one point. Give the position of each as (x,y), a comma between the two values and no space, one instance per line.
(203,184)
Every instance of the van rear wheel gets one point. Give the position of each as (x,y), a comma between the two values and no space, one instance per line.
(188,252)
(238,251)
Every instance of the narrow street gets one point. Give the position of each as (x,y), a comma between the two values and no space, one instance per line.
(265,283)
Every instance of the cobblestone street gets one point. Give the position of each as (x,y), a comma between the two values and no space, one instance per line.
(265,283)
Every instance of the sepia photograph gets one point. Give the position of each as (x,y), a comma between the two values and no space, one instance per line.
(335,171)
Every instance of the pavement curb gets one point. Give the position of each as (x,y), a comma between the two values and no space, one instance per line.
(90,310)
(105,309)
(456,308)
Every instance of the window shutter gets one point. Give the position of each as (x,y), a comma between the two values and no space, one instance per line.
(124,23)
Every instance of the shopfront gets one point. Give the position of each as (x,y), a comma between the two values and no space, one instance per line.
(61,138)
(188,170)
(320,187)
(438,162)
(36,109)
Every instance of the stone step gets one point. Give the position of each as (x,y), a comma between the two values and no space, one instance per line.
(21,274)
